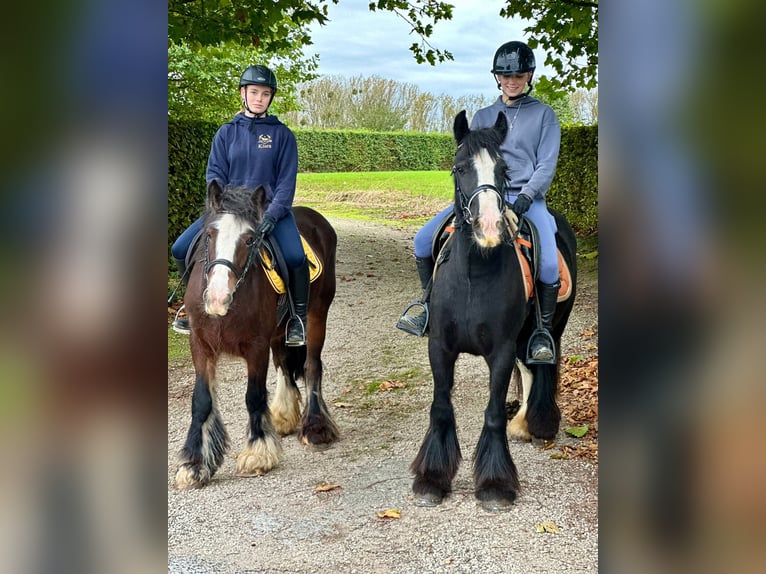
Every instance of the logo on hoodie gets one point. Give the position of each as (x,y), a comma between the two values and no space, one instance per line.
(264,141)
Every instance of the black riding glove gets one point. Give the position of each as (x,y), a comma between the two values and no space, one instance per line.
(521,205)
(267,224)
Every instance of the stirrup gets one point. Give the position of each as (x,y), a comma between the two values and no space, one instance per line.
(405,322)
(545,334)
(302,340)
(178,324)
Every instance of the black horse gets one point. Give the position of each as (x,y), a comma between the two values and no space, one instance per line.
(233,311)
(479,306)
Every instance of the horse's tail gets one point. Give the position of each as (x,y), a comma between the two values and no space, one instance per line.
(543,414)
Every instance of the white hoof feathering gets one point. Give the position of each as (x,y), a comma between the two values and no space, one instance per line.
(286,406)
(186,479)
(260,456)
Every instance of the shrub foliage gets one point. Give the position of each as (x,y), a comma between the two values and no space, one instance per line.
(574,191)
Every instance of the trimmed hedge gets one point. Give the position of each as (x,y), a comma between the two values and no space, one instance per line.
(574,191)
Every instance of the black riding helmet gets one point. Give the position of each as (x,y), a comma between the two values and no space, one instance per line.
(258,76)
(513,58)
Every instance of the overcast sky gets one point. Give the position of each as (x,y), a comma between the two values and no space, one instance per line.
(359,42)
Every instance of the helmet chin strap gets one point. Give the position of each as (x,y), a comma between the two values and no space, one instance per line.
(244,104)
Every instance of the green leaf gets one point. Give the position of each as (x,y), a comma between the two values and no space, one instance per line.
(578,432)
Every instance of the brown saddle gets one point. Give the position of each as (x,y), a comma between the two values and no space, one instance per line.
(525,243)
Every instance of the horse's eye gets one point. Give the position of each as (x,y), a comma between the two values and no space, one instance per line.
(250,241)
(460,170)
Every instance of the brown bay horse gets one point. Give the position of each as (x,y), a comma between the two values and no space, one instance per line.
(232,310)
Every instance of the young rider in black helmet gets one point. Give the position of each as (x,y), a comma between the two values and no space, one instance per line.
(256,149)
(531,150)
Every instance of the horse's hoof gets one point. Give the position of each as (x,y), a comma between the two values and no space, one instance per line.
(427,500)
(496,505)
(187,478)
(311,447)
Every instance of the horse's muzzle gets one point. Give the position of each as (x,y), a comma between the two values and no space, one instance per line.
(217,305)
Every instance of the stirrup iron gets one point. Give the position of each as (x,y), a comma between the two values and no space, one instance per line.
(407,327)
(303,333)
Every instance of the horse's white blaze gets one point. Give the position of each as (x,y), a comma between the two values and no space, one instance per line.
(219,288)
(489,211)
(518,427)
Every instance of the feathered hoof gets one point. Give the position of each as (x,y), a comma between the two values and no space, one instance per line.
(190,476)
(518,430)
(496,505)
(318,432)
(285,425)
(259,457)
(314,447)
(495,498)
(427,500)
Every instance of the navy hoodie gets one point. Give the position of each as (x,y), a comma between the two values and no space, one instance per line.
(256,151)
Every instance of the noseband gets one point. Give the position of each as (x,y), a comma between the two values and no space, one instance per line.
(466,205)
(253,247)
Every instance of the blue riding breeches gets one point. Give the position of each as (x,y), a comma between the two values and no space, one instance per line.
(285,233)
(537,214)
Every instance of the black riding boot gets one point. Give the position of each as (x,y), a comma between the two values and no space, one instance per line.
(542,347)
(299,290)
(417,324)
(181,324)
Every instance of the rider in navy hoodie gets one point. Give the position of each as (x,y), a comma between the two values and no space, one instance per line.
(256,149)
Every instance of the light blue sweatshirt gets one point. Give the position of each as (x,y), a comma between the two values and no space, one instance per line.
(531,147)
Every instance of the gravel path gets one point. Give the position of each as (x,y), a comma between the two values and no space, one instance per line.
(280,523)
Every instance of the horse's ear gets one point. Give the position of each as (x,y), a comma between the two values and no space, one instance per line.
(501,125)
(214,194)
(460,128)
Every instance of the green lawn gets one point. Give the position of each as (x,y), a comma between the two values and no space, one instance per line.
(400,198)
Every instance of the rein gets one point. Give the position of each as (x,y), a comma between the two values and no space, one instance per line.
(253,248)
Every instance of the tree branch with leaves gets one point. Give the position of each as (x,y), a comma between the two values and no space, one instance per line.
(567,30)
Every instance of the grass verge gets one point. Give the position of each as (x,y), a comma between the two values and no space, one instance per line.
(404,199)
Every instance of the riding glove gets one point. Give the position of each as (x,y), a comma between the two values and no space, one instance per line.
(521,205)
(267,224)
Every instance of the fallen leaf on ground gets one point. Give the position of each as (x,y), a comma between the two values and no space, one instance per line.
(578,432)
(547,526)
(390,513)
(325,487)
(386,385)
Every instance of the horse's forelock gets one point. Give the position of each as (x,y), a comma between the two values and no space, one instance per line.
(484,138)
(239,201)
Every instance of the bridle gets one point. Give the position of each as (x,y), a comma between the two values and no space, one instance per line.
(253,246)
(466,205)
